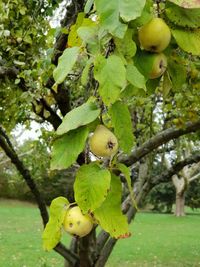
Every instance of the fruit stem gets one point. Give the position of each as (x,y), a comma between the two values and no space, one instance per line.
(158,11)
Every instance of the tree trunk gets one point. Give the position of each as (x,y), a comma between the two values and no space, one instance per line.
(86,249)
(180,204)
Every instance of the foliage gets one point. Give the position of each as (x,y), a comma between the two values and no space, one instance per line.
(97,73)
(162,197)
(192,197)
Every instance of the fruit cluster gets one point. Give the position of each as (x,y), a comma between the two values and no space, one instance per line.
(154,37)
(103,143)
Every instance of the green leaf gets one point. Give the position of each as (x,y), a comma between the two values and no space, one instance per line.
(65,64)
(151,85)
(121,121)
(88,5)
(166,85)
(126,46)
(89,34)
(145,17)
(135,77)
(79,116)
(111,75)
(187,3)
(67,148)
(52,232)
(183,17)
(189,41)
(109,18)
(131,91)
(130,10)
(111,11)
(85,72)
(91,186)
(127,174)
(177,72)
(109,214)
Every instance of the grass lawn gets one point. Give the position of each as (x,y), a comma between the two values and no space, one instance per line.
(157,240)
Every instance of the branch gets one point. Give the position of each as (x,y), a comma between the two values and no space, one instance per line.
(72,11)
(62,96)
(21,155)
(71,257)
(11,153)
(195,177)
(175,169)
(105,243)
(158,140)
(194,169)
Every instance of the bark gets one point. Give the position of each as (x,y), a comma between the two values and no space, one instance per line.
(87,249)
(105,244)
(175,169)
(10,152)
(157,140)
(181,187)
(180,204)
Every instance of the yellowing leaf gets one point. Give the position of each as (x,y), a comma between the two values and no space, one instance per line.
(182,16)
(73,38)
(187,3)
(166,85)
(189,41)
(52,232)
(109,214)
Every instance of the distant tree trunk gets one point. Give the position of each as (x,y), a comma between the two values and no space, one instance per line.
(181,187)
(180,204)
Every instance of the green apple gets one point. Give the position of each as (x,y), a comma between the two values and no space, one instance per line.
(159,66)
(103,143)
(75,223)
(155,36)
(151,65)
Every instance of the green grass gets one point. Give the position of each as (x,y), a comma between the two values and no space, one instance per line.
(157,240)
(160,240)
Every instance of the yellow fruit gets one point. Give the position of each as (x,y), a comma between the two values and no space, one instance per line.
(75,223)
(155,36)
(103,143)
(159,66)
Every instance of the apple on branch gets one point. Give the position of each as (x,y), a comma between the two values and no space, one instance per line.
(155,36)
(76,223)
(103,143)
(159,66)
